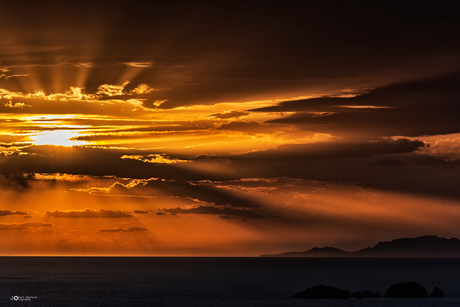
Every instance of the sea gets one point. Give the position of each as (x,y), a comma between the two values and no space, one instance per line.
(214,282)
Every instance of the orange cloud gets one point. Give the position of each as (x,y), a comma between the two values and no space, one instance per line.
(152,158)
(139,64)
(129,229)
(20,105)
(6,77)
(9,212)
(225,212)
(23,226)
(88,213)
(444,148)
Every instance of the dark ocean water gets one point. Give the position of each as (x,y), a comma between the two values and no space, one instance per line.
(85,281)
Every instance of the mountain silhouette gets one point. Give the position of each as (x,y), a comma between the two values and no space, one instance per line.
(314,252)
(420,247)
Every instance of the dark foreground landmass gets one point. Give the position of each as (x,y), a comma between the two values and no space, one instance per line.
(408,289)
(424,246)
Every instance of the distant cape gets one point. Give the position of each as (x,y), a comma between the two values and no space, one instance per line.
(420,247)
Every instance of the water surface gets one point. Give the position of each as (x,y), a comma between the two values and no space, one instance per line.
(100,281)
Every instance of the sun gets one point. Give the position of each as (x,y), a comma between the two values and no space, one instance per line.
(57,138)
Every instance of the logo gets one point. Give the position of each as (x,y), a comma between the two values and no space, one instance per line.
(18,298)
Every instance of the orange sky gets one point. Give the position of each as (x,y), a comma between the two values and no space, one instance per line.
(207,130)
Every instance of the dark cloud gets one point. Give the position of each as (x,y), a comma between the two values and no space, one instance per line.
(425,107)
(98,162)
(23,226)
(389,162)
(9,212)
(142,126)
(251,127)
(423,175)
(228,217)
(15,179)
(140,212)
(121,135)
(333,150)
(216,211)
(200,192)
(129,229)
(88,213)
(227,115)
(214,51)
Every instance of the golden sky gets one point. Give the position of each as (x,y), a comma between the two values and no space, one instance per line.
(133,128)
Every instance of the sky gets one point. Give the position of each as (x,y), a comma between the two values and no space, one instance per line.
(193,128)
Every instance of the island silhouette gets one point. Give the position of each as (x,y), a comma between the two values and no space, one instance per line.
(428,246)
(407,289)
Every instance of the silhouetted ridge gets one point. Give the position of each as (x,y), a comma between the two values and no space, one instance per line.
(327,251)
(424,246)
(314,252)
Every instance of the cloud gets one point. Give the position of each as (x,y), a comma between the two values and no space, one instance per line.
(139,64)
(251,127)
(195,191)
(229,114)
(446,148)
(327,161)
(152,158)
(216,211)
(256,57)
(23,226)
(6,77)
(99,162)
(108,90)
(88,213)
(333,150)
(423,107)
(389,162)
(9,212)
(140,212)
(129,229)
(74,93)
(106,99)
(423,174)
(19,105)
(17,180)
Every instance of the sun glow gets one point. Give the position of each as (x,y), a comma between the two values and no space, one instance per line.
(57,138)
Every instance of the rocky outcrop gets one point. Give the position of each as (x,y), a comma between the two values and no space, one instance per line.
(408,289)
(323,292)
(437,293)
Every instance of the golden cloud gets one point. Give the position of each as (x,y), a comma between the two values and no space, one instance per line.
(88,213)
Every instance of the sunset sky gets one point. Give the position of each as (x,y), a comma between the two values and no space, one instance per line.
(226,128)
